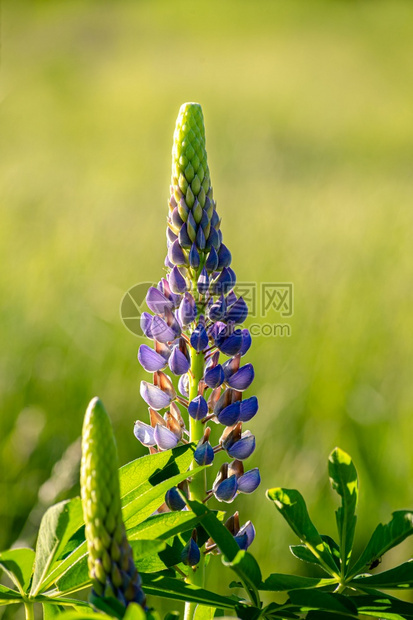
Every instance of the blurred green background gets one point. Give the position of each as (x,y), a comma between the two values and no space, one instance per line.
(308,110)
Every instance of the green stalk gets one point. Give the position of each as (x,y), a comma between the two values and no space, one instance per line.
(198,483)
(29,609)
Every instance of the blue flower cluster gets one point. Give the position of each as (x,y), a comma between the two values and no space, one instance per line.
(195,315)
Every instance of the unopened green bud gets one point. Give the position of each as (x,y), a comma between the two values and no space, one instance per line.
(110,559)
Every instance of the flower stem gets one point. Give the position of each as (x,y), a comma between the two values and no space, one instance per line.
(197,488)
(28,607)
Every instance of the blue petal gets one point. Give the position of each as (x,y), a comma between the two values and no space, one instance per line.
(214,377)
(191,554)
(204,454)
(230,345)
(146,323)
(176,281)
(194,259)
(216,312)
(161,330)
(230,414)
(238,312)
(144,433)
(249,481)
(178,362)
(246,341)
(242,379)
(211,262)
(249,530)
(199,338)
(224,282)
(198,408)
(249,408)
(174,499)
(242,541)
(187,310)
(184,240)
(200,239)
(150,359)
(227,489)
(156,301)
(176,254)
(224,257)
(203,282)
(154,396)
(243,448)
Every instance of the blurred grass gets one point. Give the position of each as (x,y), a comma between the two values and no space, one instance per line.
(308,109)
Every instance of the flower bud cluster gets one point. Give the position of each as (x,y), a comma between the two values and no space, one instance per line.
(195,315)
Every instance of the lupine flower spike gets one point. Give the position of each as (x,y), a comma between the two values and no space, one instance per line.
(110,559)
(195,323)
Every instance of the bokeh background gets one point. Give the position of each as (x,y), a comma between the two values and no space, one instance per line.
(308,110)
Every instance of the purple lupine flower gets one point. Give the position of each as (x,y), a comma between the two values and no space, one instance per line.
(154,396)
(198,408)
(164,438)
(178,362)
(199,338)
(176,281)
(191,554)
(196,322)
(248,482)
(249,408)
(144,433)
(242,379)
(150,359)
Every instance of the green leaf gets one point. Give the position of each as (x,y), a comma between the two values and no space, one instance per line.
(18,565)
(51,611)
(290,503)
(278,582)
(247,569)
(218,532)
(308,600)
(383,606)
(164,525)
(9,596)
(177,590)
(384,538)
(59,523)
(83,615)
(399,578)
(144,500)
(154,467)
(77,576)
(343,479)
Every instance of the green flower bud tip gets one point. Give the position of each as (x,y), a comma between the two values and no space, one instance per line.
(110,560)
(189,158)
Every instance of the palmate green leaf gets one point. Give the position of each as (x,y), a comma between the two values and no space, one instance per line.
(51,611)
(290,503)
(278,582)
(343,479)
(168,587)
(9,596)
(303,553)
(59,523)
(18,565)
(384,538)
(399,578)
